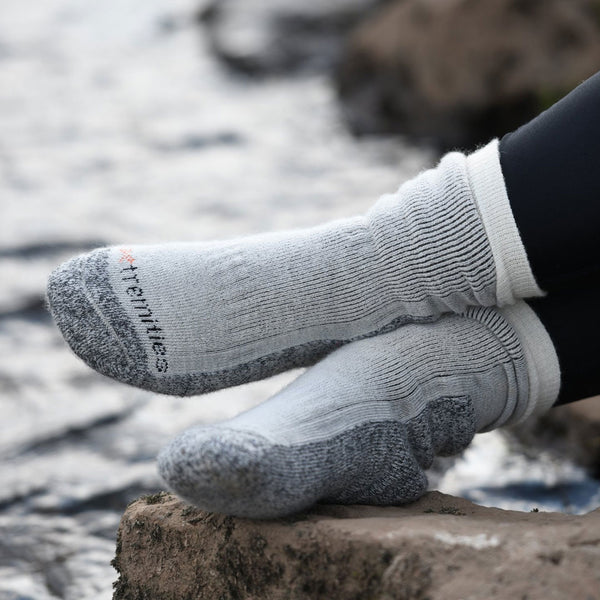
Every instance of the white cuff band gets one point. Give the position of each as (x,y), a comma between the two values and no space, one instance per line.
(514,278)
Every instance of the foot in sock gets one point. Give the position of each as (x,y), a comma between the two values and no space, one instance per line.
(361,426)
(191,318)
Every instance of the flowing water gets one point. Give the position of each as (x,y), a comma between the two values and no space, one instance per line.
(117,124)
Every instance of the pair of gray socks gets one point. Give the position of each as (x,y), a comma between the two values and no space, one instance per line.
(412,370)
(362,425)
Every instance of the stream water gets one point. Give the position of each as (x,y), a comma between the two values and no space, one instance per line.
(117,124)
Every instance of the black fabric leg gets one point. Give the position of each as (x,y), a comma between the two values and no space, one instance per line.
(551,167)
(572,318)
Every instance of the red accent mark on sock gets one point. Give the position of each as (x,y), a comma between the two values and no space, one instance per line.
(126,255)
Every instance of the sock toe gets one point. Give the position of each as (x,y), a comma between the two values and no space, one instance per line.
(230,472)
(76,311)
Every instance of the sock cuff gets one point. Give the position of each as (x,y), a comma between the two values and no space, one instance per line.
(514,278)
(543,368)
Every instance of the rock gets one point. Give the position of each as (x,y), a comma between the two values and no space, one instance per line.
(259,37)
(440,547)
(460,72)
(572,430)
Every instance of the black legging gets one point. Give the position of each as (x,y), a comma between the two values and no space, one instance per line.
(551,167)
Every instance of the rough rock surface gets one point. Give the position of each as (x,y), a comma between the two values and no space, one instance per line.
(440,547)
(277,36)
(572,430)
(459,72)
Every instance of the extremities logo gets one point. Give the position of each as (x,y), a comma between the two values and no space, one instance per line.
(143,311)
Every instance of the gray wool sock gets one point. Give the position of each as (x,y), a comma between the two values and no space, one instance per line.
(361,426)
(191,318)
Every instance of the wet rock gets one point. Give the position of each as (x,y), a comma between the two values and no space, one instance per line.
(572,430)
(458,73)
(45,559)
(279,36)
(440,547)
(50,248)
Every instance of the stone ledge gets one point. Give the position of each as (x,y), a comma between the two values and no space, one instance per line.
(440,547)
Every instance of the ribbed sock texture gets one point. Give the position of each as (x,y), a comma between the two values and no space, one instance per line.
(363,424)
(191,318)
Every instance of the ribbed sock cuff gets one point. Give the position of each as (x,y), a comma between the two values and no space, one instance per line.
(514,278)
(542,361)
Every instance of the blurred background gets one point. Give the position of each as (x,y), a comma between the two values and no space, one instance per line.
(153,120)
